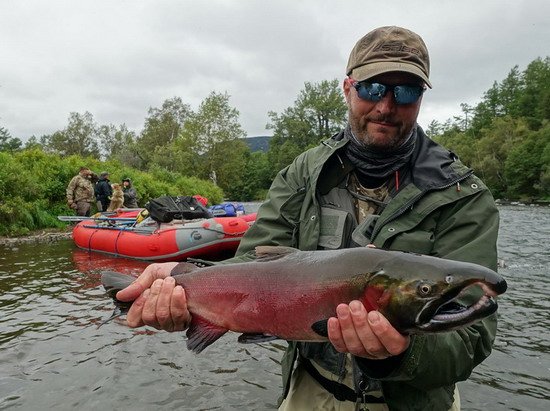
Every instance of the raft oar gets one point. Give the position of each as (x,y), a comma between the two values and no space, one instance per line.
(126,227)
(74,218)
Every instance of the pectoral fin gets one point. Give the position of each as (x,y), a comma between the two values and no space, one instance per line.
(202,333)
(321,327)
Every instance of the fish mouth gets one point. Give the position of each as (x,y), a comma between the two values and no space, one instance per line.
(445,313)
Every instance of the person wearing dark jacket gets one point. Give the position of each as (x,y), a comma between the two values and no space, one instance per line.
(379,182)
(103,190)
(130,194)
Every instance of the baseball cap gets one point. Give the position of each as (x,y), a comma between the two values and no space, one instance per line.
(389,48)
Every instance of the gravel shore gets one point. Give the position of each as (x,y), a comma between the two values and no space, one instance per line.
(41,236)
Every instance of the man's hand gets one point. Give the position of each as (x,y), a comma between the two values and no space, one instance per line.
(157,301)
(363,334)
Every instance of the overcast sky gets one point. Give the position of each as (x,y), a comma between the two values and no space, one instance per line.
(116,59)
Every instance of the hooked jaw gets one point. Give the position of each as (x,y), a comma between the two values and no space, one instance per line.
(445,313)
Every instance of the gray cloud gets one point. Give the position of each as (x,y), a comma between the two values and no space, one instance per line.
(117,59)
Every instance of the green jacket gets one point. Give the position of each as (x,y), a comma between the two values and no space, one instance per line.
(442,210)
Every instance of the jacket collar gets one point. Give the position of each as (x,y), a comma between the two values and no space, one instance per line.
(432,166)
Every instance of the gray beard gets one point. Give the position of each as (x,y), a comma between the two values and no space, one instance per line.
(359,129)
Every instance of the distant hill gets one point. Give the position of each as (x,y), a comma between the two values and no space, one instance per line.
(258,143)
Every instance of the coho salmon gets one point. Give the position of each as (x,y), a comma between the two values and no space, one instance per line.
(290,294)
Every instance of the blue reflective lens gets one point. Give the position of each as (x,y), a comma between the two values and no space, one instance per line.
(404,93)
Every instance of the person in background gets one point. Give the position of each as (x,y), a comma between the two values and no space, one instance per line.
(130,194)
(80,192)
(94,179)
(379,182)
(103,190)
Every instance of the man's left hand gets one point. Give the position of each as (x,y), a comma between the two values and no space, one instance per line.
(369,335)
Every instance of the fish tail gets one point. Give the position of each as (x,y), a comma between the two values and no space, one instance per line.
(113,282)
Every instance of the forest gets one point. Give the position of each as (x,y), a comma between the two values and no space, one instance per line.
(505,138)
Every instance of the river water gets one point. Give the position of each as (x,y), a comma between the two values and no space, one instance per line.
(53,356)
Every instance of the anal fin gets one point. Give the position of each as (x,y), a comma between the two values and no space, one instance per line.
(202,333)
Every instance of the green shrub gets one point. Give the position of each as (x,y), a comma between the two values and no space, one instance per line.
(33,185)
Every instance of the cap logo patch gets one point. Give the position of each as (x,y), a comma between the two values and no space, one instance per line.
(396,47)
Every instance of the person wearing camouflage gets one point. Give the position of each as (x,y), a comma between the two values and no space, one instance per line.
(80,192)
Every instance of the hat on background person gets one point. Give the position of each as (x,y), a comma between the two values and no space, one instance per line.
(387,49)
(104,174)
(126,179)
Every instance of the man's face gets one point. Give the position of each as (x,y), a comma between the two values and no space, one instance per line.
(383,125)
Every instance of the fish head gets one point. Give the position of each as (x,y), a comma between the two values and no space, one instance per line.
(439,295)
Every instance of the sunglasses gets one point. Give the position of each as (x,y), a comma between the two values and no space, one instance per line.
(403,93)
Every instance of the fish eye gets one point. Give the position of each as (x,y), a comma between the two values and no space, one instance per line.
(424,289)
(449,279)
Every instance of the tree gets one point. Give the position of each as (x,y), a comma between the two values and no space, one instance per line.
(7,142)
(216,135)
(534,101)
(209,142)
(493,149)
(80,137)
(434,129)
(162,127)
(256,178)
(318,112)
(506,142)
(526,164)
(118,143)
(34,143)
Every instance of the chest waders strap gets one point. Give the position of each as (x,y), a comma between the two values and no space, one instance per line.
(340,391)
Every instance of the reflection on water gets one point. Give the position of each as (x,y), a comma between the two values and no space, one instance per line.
(52,356)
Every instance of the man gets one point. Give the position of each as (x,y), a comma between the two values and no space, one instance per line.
(80,192)
(380,182)
(103,190)
(130,194)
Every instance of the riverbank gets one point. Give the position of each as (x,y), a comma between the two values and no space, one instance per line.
(49,235)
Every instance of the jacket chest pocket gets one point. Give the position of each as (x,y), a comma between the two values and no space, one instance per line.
(335,228)
(416,241)
(419,238)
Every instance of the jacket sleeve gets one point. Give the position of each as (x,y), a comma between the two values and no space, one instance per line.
(70,190)
(466,231)
(130,195)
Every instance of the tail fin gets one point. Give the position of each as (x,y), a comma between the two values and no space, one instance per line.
(113,282)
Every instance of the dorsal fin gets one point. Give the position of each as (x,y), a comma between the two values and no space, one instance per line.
(272,252)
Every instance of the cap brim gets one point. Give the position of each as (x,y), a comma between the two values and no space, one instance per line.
(374,69)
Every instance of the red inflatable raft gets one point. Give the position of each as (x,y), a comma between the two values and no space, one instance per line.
(121,235)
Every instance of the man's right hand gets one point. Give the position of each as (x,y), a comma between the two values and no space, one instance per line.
(157,300)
